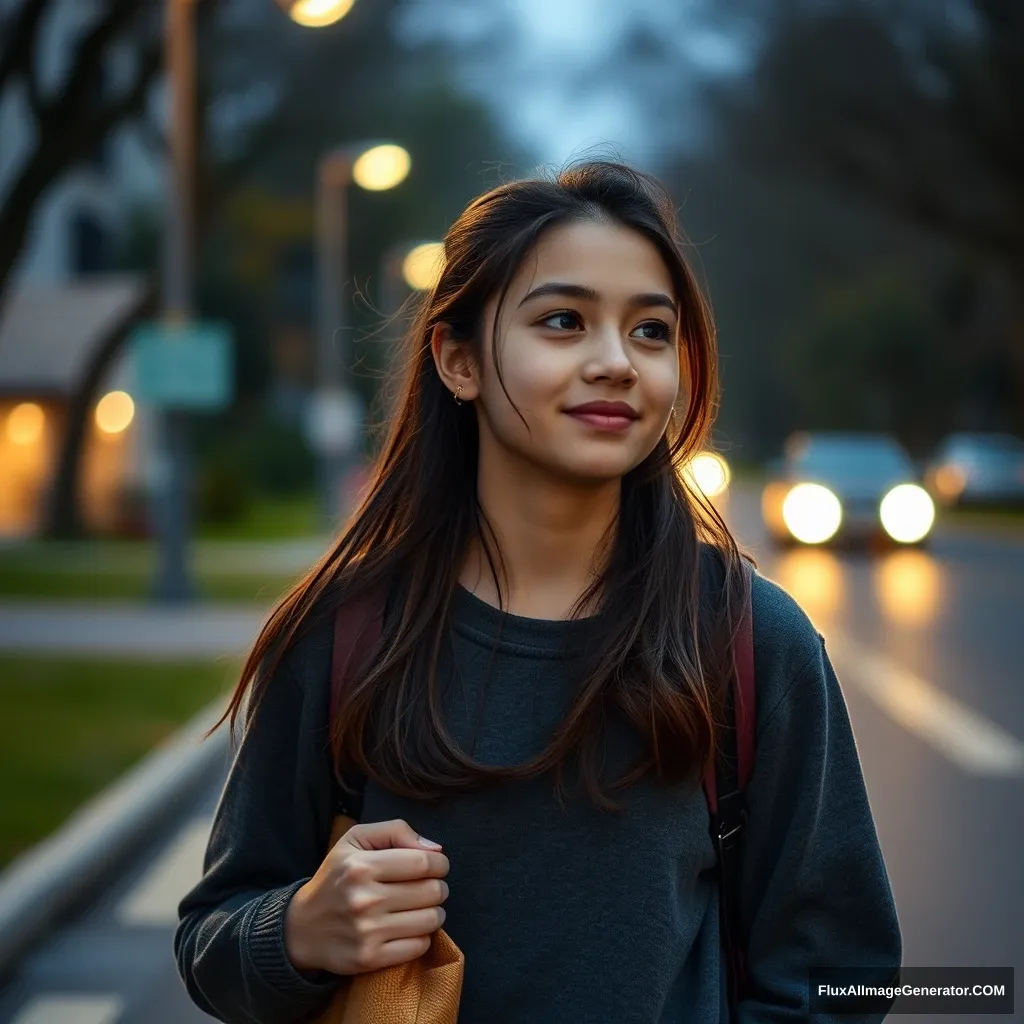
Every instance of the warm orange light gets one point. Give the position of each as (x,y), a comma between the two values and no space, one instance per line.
(950,481)
(115,412)
(25,423)
(815,579)
(910,588)
(317,13)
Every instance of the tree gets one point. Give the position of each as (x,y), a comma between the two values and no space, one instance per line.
(71,118)
(871,358)
(272,99)
(913,107)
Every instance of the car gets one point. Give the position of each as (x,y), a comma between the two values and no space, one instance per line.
(836,487)
(977,469)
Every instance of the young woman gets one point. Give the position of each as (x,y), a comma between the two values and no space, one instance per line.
(560,613)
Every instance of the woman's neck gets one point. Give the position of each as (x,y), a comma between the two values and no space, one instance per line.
(550,536)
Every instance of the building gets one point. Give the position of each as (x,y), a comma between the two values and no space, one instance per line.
(63,300)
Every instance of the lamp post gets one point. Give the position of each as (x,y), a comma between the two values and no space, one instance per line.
(172,507)
(335,415)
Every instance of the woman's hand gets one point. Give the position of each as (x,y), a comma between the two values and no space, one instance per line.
(375,901)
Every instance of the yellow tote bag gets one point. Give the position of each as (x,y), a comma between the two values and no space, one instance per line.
(421,991)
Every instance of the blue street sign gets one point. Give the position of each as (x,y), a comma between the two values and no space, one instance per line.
(186,367)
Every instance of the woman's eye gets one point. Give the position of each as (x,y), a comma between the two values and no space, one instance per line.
(655,330)
(564,321)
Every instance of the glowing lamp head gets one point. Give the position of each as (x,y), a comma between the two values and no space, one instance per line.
(381,167)
(316,13)
(115,412)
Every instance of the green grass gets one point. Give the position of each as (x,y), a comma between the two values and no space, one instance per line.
(126,571)
(19,580)
(70,727)
(270,519)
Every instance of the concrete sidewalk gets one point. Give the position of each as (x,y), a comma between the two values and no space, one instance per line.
(129,630)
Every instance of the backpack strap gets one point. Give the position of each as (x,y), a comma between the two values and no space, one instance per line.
(725,787)
(357,628)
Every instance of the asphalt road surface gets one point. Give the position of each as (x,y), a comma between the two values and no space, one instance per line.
(928,646)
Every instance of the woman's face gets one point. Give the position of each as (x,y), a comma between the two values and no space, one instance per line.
(592,316)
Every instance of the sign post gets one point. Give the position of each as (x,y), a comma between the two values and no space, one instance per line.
(179,367)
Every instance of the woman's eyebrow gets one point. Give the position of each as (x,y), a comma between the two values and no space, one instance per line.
(580,291)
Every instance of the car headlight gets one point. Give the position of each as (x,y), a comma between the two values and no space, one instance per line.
(708,473)
(812,513)
(908,513)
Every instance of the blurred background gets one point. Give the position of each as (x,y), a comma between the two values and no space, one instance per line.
(215,218)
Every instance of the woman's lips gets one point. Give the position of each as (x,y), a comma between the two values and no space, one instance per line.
(602,421)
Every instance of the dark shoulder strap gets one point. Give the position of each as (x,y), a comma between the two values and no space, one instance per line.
(725,786)
(357,628)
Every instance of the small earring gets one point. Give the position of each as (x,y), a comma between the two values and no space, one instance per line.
(457,390)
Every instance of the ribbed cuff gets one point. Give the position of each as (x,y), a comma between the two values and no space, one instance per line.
(265,936)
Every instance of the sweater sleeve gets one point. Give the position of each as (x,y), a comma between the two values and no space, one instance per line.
(270,834)
(814,889)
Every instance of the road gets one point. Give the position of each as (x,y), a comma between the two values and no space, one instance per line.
(928,648)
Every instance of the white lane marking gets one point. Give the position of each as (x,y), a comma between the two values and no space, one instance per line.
(71,1009)
(967,738)
(154,900)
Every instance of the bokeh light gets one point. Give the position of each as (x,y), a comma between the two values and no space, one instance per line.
(381,167)
(317,13)
(422,266)
(25,423)
(910,588)
(812,513)
(709,473)
(815,579)
(908,513)
(115,412)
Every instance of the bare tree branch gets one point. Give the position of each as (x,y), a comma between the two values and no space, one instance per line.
(90,53)
(20,32)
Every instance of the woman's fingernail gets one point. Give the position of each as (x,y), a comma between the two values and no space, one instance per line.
(429,842)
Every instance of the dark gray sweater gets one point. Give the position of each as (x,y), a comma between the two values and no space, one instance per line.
(570,916)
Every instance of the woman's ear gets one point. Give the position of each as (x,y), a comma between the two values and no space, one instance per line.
(455,363)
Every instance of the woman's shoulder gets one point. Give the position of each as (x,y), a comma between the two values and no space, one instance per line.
(301,673)
(781,626)
(787,644)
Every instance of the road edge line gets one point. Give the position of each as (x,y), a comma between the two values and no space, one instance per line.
(47,880)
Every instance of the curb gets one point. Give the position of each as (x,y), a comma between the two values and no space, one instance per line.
(48,880)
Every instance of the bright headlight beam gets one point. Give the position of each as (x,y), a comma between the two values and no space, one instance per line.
(907,513)
(812,513)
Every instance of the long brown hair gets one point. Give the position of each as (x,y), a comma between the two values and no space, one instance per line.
(667,623)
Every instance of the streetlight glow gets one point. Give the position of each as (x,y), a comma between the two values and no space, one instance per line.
(115,412)
(316,13)
(381,167)
(422,266)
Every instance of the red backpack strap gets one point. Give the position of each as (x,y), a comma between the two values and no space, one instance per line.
(357,629)
(741,709)
(725,786)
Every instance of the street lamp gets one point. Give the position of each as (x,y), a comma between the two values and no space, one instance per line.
(335,414)
(316,13)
